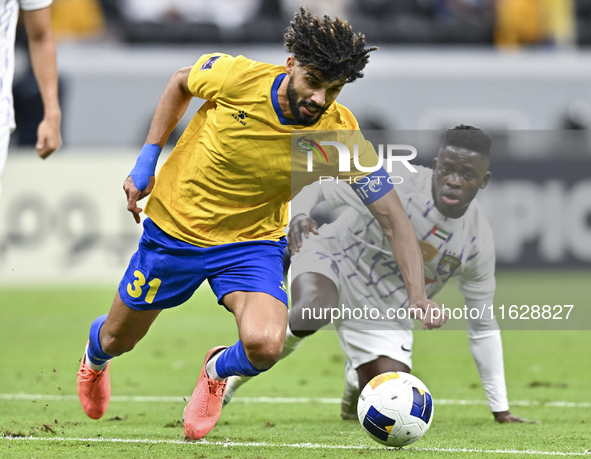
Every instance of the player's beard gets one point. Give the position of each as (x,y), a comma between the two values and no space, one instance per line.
(294,106)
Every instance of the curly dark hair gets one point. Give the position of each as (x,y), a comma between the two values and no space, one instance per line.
(327,45)
(469,138)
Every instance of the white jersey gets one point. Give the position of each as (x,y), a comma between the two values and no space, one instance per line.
(354,253)
(461,247)
(9,10)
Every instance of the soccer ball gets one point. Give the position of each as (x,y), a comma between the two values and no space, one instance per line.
(395,409)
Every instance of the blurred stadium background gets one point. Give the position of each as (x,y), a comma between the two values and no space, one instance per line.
(518,68)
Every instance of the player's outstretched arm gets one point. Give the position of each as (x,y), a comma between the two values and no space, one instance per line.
(42,49)
(172,106)
(487,350)
(391,216)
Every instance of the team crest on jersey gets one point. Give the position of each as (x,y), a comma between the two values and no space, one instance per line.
(447,265)
(428,250)
(240,117)
(209,63)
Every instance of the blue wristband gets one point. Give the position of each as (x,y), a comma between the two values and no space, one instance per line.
(145,166)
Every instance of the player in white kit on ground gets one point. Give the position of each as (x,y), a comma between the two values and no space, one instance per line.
(347,265)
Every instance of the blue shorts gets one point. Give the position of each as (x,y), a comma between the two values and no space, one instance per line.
(165,271)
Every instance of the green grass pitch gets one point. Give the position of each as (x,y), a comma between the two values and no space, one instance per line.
(43,332)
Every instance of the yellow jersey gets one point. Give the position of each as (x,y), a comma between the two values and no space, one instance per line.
(230,177)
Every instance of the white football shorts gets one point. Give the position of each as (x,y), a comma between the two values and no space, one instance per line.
(363,346)
(362,340)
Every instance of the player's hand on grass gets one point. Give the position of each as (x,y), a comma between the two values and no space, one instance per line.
(134,195)
(504,417)
(300,224)
(429,313)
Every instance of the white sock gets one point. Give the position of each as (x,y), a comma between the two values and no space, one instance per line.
(351,378)
(210,367)
(94,366)
(292,342)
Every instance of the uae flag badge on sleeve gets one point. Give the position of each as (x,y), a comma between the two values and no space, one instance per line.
(438,232)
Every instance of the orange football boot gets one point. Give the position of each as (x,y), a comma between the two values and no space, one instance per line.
(205,407)
(94,389)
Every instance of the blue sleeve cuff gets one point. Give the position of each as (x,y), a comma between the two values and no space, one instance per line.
(145,166)
(373,186)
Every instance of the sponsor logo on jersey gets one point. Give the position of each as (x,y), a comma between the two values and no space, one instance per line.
(209,63)
(447,265)
(428,250)
(240,117)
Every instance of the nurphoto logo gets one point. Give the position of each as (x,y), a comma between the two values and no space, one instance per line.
(310,147)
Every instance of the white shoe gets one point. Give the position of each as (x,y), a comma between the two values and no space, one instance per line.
(233,383)
(350,394)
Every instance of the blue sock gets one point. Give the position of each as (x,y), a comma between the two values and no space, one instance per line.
(95,351)
(233,362)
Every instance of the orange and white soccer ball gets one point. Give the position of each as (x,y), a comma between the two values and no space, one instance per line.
(395,409)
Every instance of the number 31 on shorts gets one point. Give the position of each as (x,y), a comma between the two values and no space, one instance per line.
(135,290)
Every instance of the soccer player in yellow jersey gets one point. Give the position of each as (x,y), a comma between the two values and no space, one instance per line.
(219,206)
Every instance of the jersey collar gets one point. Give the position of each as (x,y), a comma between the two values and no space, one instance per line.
(275,100)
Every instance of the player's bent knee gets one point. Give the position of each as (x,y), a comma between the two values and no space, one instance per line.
(115,346)
(263,354)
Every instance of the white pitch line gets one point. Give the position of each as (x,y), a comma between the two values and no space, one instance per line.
(142,399)
(226,444)
(280,400)
(70,398)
